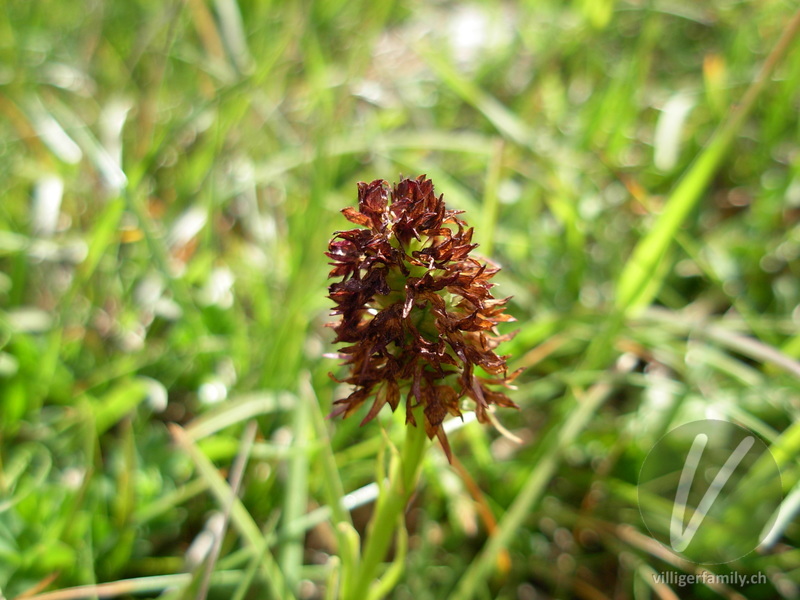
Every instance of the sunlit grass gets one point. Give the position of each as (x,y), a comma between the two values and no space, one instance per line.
(171,175)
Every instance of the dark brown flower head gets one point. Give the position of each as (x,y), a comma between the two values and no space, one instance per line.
(415,308)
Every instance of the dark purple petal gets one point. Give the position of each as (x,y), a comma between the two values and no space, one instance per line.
(423,334)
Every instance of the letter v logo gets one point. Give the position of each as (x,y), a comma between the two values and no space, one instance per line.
(680,538)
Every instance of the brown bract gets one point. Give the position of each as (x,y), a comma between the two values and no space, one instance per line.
(415,308)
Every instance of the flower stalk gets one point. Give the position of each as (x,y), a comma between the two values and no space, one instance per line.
(389,515)
(417,314)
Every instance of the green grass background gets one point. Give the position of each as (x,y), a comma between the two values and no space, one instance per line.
(171,174)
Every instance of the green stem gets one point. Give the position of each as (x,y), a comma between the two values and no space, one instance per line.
(392,501)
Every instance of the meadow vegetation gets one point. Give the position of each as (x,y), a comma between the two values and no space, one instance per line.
(171,174)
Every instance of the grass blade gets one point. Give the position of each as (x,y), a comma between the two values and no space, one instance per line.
(642,275)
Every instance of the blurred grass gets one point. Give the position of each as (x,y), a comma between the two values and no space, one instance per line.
(171,175)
